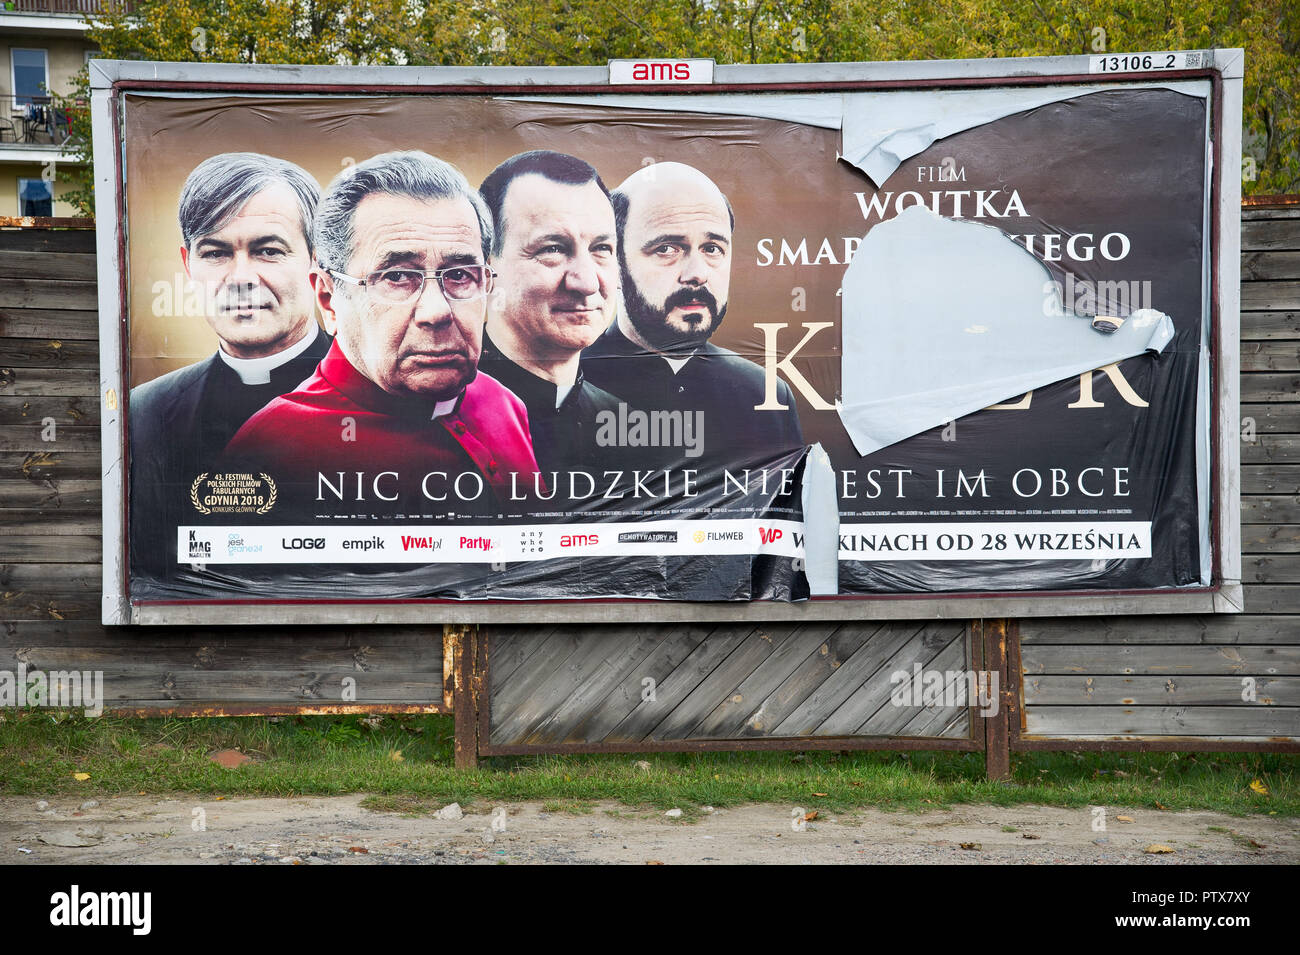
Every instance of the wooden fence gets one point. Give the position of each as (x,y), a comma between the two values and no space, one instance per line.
(1177,682)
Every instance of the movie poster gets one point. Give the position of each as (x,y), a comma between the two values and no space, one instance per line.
(419,346)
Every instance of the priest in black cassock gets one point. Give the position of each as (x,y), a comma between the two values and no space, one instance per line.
(246,222)
(556,291)
(675,249)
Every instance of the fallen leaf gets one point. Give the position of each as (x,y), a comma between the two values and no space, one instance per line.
(230,758)
(219,798)
(810,816)
(81,777)
(852,783)
(359,850)
(1124,818)
(1161,806)
(1029,835)
(971,845)
(1258,787)
(821,794)
(653,862)
(395,756)
(1156,849)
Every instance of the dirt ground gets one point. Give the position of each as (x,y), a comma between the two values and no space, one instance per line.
(337,831)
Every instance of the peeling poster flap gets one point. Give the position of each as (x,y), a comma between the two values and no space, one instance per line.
(880,132)
(945,317)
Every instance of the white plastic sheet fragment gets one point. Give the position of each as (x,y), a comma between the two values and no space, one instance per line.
(821,519)
(944,317)
(880,131)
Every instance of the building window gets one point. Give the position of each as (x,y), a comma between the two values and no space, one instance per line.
(30,76)
(35,197)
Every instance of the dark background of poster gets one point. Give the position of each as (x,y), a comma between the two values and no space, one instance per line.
(1128,161)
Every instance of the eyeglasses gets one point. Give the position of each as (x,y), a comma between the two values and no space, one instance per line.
(459,283)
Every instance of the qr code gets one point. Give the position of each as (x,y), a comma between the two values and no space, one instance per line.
(1196,61)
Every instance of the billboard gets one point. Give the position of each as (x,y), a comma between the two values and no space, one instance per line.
(870,339)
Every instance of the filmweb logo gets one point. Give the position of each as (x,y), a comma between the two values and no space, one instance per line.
(66,689)
(924,687)
(651,429)
(74,907)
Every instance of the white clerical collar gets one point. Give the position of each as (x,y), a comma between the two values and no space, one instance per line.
(257,371)
(676,364)
(444,407)
(561,392)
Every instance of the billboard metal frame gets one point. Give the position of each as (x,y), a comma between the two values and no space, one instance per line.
(111,79)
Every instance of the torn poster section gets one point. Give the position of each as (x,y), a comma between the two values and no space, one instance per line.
(945,317)
(881,132)
(821,518)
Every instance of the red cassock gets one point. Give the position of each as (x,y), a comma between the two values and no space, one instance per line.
(338,420)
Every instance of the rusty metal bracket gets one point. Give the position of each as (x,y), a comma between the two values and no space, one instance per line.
(459,643)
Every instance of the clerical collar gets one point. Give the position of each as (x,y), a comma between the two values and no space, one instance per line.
(445,407)
(532,389)
(257,371)
(626,344)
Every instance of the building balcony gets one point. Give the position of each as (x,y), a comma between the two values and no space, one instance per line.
(33,130)
(67,17)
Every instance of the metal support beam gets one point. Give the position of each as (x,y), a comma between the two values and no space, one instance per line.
(458,647)
(997,750)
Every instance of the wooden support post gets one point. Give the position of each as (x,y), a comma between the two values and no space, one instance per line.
(997,748)
(459,643)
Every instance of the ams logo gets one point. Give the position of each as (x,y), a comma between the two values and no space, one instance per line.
(651,72)
(579,540)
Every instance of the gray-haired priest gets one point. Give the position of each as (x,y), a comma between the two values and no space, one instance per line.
(402,242)
(246,224)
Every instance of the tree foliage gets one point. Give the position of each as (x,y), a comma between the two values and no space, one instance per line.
(572,32)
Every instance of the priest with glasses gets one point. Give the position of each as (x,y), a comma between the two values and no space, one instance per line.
(397,418)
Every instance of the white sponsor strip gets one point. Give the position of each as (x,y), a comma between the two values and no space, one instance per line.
(996,540)
(484,543)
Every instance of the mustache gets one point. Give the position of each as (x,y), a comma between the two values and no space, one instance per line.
(684,297)
(234,300)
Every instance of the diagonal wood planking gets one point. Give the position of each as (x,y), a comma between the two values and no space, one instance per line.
(631,684)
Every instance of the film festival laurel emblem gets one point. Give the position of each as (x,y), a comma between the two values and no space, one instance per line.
(233,493)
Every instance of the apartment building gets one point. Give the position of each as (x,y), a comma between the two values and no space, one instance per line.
(43,46)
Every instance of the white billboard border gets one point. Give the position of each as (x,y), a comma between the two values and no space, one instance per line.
(110,79)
